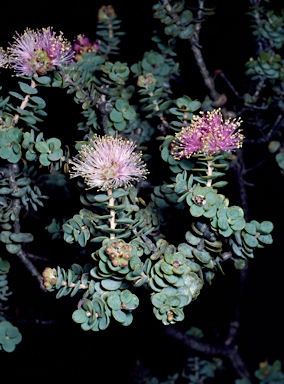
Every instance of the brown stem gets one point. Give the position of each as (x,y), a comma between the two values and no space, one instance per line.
(16,206)
(112,212)
(228,351)
(209,173)
(208,81)
(110,29)
(196,49)
(274,129)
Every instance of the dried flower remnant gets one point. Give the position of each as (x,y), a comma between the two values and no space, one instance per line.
(3,58)
(106,12)
(208,134)
(40,51)
(107,162)
(49,276)
(83,45)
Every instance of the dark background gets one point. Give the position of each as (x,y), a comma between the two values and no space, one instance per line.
(53,346)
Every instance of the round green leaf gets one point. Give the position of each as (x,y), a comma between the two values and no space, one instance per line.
(128,320)
(250,228)
(100,198)
(15,157)
(223,223)
(265,239)
(239,263)
(27,88)
(43,80)
(191,239)
(22,237)
(5,152)
(172,279)
(18,338)
(119,316)
(55,155)
(226,233)
(16,147)
(13,248)
(238,224)
(30,156)
(53,143)
(9,346)
(129,114)
(173,301)
(166,268)
(114,301)
(120,126)
(210,212)
(121,104)
(38,100)
(234,212)
(160,282)
(186,17)
(43,158)
(79,316)
(87,325)
(5,237)
(42,147)
(12,332)
(126,296)
(251,241)
(202,256)
(133,304)
(103,321)
(158,299)
(187,32)
(179,315)
(111,285)
(266,227)
(211,197)
(116,116)
(15,135)
(196,210)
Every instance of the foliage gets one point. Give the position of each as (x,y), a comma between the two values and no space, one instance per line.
(129,114)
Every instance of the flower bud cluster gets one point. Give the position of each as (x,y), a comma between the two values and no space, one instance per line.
(119,253)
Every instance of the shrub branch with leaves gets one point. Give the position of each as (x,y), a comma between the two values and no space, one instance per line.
(127,111)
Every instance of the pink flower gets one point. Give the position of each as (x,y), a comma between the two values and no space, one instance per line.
(208,134)
(107,162)
(83,45)
(39,52)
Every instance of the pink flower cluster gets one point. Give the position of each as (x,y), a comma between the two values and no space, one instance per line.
(83,45)
(208,134)
(37,52)
(108,163)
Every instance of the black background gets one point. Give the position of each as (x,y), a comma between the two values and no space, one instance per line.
(54,348)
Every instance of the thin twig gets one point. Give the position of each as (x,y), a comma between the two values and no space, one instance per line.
(16,206)
(228,351)
(265,139)
(196,49)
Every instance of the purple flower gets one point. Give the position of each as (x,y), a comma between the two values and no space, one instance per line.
(208,134)
(39,52)
(107,162)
